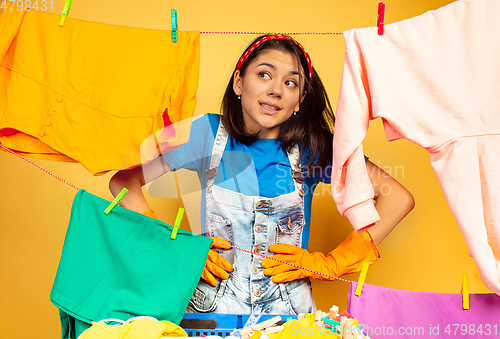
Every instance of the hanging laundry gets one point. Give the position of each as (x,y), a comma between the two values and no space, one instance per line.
(435,80)
(91,92)
(386,312)
(123,265)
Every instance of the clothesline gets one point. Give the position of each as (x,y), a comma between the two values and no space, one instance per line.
(38,166)
(285,262)
(237,248)
(260,33)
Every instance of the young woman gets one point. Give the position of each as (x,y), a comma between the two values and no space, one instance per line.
(259,163)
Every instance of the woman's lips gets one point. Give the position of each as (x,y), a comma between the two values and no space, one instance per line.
(270,108)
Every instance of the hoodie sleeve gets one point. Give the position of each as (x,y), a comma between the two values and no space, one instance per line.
(351,186)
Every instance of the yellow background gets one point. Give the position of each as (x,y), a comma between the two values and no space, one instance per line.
(426,252)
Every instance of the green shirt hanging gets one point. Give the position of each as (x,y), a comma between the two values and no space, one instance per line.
(123,265)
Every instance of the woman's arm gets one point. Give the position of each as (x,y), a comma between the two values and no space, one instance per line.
(133,180)
(392,201)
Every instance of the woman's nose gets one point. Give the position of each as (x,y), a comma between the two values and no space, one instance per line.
(274,90)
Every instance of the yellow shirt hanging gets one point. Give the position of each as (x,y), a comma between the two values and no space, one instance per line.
(93,93)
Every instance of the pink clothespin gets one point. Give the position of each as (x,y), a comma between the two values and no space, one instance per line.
(380,18)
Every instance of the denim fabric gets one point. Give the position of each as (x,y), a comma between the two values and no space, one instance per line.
(252,223)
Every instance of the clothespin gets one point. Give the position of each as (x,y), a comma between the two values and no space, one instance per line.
(173,15)
(117,200)
(334,311)
(361,279)
(266,323)
(465,291)
(331,322)
(318,319)
(380,18)
(178,220)
(348,329)
(272,329)
(67,8)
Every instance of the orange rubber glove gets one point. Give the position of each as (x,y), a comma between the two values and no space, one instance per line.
(216,264)
(348,257)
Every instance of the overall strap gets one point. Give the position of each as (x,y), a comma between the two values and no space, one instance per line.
(297,175)
(218,149)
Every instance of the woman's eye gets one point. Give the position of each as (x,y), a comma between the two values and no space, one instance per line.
(264,75)
(291,83)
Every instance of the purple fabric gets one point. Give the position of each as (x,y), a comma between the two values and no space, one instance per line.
(386,312)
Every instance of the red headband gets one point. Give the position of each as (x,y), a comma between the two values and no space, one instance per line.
(276,37)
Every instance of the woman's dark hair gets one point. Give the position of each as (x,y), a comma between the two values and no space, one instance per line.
(311,128)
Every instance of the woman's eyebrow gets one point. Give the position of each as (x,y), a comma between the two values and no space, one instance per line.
(274,67)
(267,64)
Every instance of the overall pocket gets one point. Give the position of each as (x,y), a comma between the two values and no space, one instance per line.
(205,297)
(219,227)
(299,296)
(289,229)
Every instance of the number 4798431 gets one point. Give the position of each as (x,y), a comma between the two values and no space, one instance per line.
(471,329)
(27,5)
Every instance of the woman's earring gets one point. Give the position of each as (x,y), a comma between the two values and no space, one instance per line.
(294,113)
(239,97)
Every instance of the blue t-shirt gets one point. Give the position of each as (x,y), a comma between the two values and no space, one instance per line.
(261,168)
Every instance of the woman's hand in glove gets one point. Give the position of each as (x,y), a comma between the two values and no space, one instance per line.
(348,257)
(216,265)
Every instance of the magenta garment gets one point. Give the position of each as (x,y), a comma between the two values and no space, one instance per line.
(435,80)
(386,312)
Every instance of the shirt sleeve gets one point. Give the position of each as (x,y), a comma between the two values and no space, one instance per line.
(194,154)
(350,184)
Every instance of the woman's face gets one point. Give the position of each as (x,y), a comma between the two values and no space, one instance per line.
(269,92)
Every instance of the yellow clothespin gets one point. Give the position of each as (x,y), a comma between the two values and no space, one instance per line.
(465,291)
(173,16)
(67,8)
(178,220)
(361,279)
(117,200)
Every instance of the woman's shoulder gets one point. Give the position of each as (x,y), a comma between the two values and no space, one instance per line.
(205,122)
(207,118)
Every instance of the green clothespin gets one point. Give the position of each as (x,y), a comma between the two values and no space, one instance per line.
(67,8)
(331,322)
(177,223)
(117,200)
(173,15)
(335,325)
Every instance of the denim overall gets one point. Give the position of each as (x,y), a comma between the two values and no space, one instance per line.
(252,223)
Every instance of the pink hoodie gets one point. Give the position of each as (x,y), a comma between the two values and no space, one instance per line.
(435,80)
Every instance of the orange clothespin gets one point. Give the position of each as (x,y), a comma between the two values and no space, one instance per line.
(465,291)
(380,18)
(361,279)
